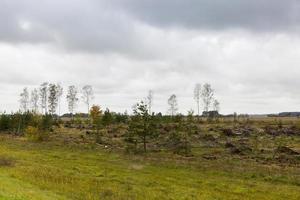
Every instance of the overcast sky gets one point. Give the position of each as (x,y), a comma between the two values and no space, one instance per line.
(249,51)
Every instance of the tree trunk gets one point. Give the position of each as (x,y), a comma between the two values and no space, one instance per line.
(88,105)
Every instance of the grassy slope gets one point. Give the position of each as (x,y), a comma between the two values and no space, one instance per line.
(49,171)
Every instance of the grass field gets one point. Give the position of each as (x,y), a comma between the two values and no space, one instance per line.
(53,170)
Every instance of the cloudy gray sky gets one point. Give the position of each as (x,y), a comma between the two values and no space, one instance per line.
(248,50)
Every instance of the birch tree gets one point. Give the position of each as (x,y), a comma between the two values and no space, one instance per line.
(60,91)
(53,98)
(87,95)
(197,97)
(44,97)
(216,105)
(172,101)
(34,100)
(24,100)
(150,101)
(72,98)
(207,96)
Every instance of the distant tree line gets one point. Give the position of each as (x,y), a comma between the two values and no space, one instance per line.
(40,108)
(47,98)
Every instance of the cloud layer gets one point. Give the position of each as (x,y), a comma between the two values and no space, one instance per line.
(263,15)
(248,50)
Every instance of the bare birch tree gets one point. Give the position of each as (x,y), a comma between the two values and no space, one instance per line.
(207,95)
(197,97)
(60,91)
(34,100)
(216,105)
(44,97)
(72,98)
(150,101)
(52,98)
(172,101)
(87,95)
(24,100)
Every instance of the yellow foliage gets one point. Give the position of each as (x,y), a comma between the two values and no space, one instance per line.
(95,113)
(34,134)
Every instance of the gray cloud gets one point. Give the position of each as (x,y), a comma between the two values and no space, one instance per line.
(115,26)
(246,49)
(263,15)
(90,26)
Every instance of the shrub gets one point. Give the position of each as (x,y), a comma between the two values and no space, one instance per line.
(46,123)
(121,118)
(107,118)
(101,137)
(179,143)
(180,140)
(141,127)
(34,134)
(4,122)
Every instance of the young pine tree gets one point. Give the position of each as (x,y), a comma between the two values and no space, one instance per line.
(140,127)
(179,138)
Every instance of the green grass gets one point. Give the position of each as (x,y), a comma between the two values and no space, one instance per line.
(54,171)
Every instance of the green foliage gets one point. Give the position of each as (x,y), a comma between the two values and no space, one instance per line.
(36,135)
(141,127)
(179,142)
(78,120)
(5,122)
(107,118)
(53,97)
(46,123)
(17,122)
(121,118)
(101,137)
(179,138)
(178,118)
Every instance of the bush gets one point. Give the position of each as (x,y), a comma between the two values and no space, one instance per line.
(107,118)
(34,134)
(101,137)
(46,123)
(121,118)
(4,122)
(179,143)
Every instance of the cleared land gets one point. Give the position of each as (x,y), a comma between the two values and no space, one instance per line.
(227,162)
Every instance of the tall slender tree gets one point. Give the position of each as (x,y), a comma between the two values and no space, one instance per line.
(53,98)
(60,91)
(72,99)
(87,96)
(216,108)
(172,101)
(44,97)
(150,101)
(96,114)
(216,105)
(207,95)
(34,100)
(197,97)
(24,100)
(141,126)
